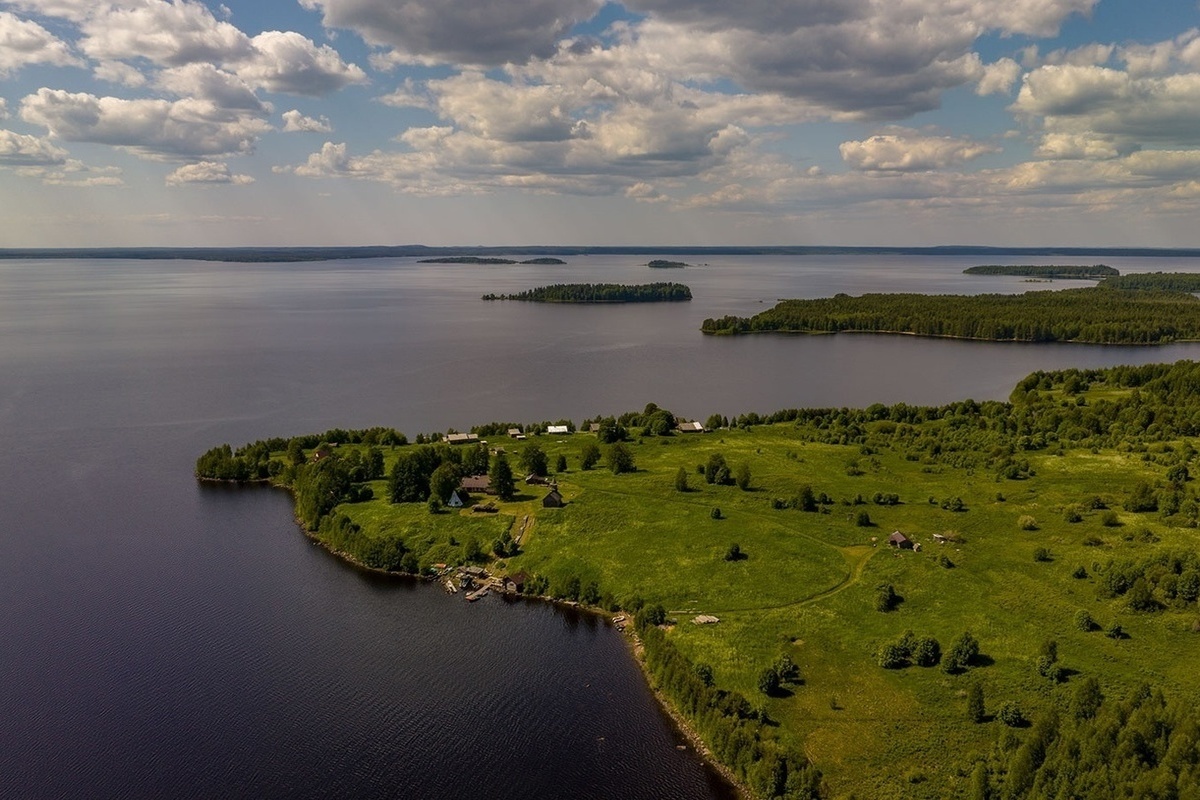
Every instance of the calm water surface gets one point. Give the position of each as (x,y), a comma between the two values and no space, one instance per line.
(161,638)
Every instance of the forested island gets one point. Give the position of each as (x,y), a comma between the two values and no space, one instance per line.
(487,260)
(996,599)
(1061,271)
(1097,315)
(601,293)
(659,263)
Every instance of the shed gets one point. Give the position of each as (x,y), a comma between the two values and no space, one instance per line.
(477,483)
(515,583)
(514,432)
(594,427)
(898,539)
(558,430)
(553,500)
(690,427)
(462,438)
(534,479)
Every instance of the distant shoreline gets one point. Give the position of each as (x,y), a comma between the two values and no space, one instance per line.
(306,254)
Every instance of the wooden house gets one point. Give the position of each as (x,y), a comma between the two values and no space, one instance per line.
(553,500)
(899,540)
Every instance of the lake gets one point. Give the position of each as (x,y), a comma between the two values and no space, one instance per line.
(164,638)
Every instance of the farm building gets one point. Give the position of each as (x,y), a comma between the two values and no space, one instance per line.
(553,500)
(898,539)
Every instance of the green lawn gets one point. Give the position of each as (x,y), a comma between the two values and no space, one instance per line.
(807,585)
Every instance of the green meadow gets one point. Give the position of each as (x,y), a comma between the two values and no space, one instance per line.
(1029,503)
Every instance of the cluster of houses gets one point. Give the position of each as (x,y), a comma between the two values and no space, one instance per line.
(482,484)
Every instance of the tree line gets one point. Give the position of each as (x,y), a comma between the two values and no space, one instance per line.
(1066,271)
(601,293)
(1091,314)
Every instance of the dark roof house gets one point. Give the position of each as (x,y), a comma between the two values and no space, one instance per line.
(898,539)
(477,483)
(553,500)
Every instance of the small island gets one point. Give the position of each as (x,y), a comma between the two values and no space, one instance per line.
(821,593)
(488,260)
(1098,315)
(659,263)
(1048,272)
(601,293)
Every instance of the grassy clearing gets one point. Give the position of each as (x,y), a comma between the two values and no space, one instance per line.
(808,584)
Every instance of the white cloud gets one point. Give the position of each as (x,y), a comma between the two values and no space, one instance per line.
(225,91)
(998,77)
(489,33)
(1102,102)
(166,33)
(73,173)
(295,122)
(3,108)
(207,173)
(24,43)
(160,129)
(120,73)
(288,62)
(21,150)
(1077,145)
(911,151)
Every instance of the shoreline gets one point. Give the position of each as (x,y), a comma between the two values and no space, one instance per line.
(633,642)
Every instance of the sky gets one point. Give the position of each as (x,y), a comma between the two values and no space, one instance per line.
(645,122)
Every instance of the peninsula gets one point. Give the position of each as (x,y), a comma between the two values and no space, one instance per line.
(487,260)
(886,602)
(601,293)
(1097,315)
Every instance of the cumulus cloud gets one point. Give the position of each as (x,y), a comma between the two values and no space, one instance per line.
(476,33)
(3,108)
(224,90)
(73,173)
(25,43)
(151,128)
(207,173)
(166,33)
(1102,102)
(998,77)
(295,122)
(284,61)
(911,151)
(22,150)
(119,72)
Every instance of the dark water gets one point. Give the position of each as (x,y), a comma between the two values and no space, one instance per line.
(162,639)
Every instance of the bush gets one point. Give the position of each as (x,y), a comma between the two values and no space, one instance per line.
(768,681)
(1080,572)
(927,652)
(681,480)
(1114,631)
(1041,554)
(1072,515)
(734,553)
(891,656)
(715,513)
(1027,523)
(862,519)
(964,651)
(1010,714)
(1109,519)
(1084,621)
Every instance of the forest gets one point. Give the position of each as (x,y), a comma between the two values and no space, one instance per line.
(1094,314)
(1062,271)
(1008,657)
(1156,281)
(601,293)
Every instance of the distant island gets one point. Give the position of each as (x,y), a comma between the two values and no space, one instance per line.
(828,596)
(601,293)
(659,263)
(294,254)
(1096,315)
(1062,271)
(485,260)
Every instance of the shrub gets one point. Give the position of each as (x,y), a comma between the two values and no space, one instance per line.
(964,650)
(1072,515)
(768,681)
(1041,554)
(862,519)
(1114,631)
(927,652)
(681,480)
(975,709)
(1084,621)
(1027,523)
(1080,572)
(715,513)
(891,656)
(1010,714)
(1109,519)
(734,553)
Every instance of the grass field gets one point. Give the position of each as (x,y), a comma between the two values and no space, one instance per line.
(808,583)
